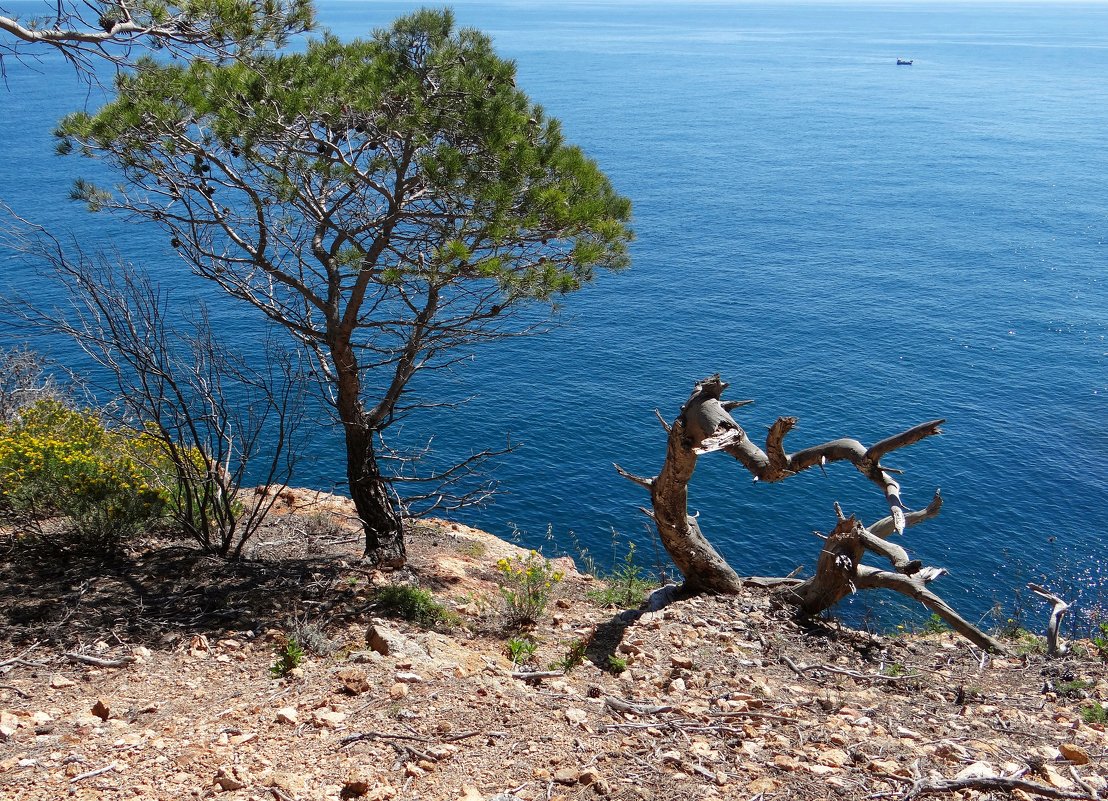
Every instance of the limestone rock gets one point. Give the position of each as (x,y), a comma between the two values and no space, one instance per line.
(353,680)
(566,776)
(356,785)
(1074,753)
(588,776)
(231,778)
(327,718)
(835,757)
(576,716)
(288,714)
(978,770)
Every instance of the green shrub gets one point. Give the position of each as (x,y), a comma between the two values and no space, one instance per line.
(414,604)
(1027,643)
(626,587)
(1074,688)
(58,461)
(617,664)
(526,586)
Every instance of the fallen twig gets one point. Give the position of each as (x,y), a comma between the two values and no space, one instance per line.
(89,774)
(1003,783)
(15,690)
(538,674)
(854,674)
(384,735)
(635,709)
(96,661)
(18,659)
(749,713)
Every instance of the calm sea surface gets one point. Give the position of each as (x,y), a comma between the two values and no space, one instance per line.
(861,245)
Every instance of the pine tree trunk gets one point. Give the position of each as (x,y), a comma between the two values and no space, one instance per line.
(381,518)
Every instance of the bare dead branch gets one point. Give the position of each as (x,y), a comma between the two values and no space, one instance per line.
(92,773)
(620,705)
(96,661)
(645,483)
(914,587)
(1054,647)
(885,527)
(1005,784)
(662,420)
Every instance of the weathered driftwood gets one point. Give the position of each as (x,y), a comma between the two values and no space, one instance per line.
(705,425)
(1054,645)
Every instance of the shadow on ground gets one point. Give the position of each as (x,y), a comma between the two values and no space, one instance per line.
(165,592)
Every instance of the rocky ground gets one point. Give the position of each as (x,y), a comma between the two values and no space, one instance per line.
(150,678)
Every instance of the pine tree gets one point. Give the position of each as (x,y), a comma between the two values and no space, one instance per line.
(390,202)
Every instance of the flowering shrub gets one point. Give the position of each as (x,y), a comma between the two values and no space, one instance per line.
(58,461)
(526,586)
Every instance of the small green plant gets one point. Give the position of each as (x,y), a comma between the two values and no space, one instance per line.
(617,664)
(626,587)
(1026,642)
(521,650)
(526,586)
(1100,641)
(1075,688)
(573,656)
(934,625)
(414,604)
(894,669)
(1094,713)
(290,657)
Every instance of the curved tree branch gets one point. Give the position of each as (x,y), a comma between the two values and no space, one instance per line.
(705,425)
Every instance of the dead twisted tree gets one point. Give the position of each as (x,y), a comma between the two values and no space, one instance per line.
(705,425)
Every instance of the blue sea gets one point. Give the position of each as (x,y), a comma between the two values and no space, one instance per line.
(862,245)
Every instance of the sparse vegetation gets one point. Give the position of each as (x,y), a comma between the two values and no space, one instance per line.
(526,585)
(1026,643)
(1094,713)
(1100,641)
(473,549)
(521,650)
(617,664)
(626,587)
(319,524)
(289,657)
(934,625)
(573,657)
(413,604)
(311,636)
(1073,688)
